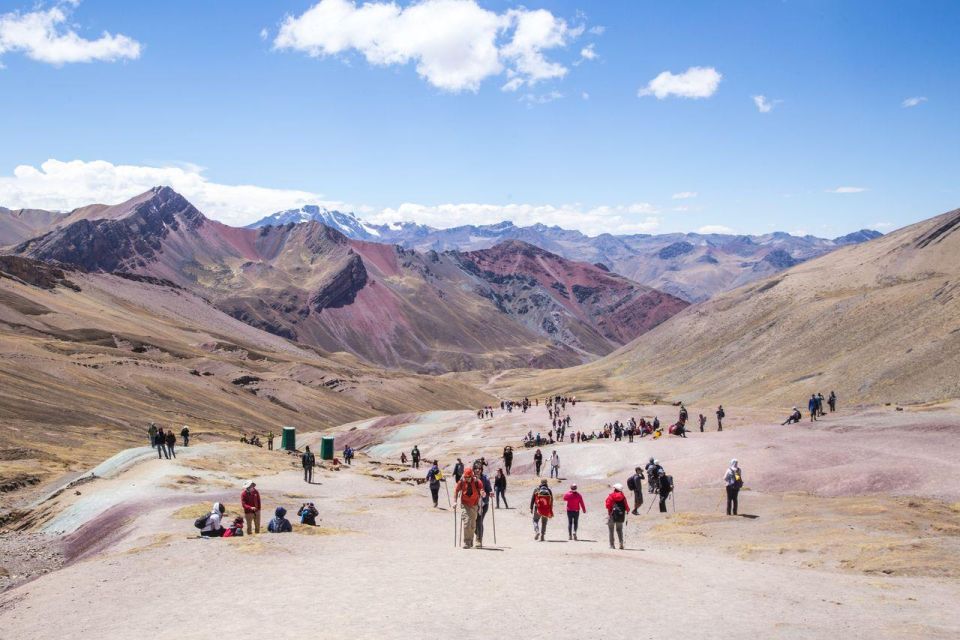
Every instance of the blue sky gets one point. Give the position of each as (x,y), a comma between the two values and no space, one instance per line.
(249,107)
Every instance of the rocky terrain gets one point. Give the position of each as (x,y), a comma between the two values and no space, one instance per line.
(429,312)
(876,322)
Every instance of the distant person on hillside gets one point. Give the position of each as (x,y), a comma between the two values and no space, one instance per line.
(308,514)
(152,434)
(171,443)
(250,502)
(635,484)
(434,478)
(185,434)
(161,443)
(468,494)
(458,470)
(308,460)
(500,488)
(403,458)
(415,457)
(279,523)
(812,407)
(508,458)
(793,418)
(832,401)
(734,482)
(575,505)
(617,508)
(703,422)
(541,506)
(348,455)
(652,479)
(484,503)
(554,465)
(270,438)
(721,414)
(211,527)
(537,461)
(665,488)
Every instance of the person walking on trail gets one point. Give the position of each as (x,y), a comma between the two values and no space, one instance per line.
(308,461)
(812,407)
(270,441)
(734,482)
(500,488)
(185,434)
(435,477)
(617,508)
(250,502)
(160,441)
(171,443)
(458,470)
(484,504)
(666,487)
(575,505)
(152,433)
(721,414)
(653,483)
(820,405)
(415,457)
(541,506)
(635,484)
(508,458)
(468,493)
(555,465)
(538,461)
(832,402)
(703,422)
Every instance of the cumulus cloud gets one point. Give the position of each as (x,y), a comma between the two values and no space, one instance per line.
(589,53)
(532,99)
(847,190)
(46,36)
(695,82)
(913,102)
(763,104)
(66,185)
(454,44)
(634,218)
(715,228)
(684,195)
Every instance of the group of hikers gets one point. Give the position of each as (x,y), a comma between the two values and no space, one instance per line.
(165,442)
(814,407)
(211,524)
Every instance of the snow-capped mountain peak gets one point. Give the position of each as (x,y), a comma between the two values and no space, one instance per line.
(344,222)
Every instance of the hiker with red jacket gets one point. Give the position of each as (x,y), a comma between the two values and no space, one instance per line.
(617,508)
(469,491)
(575,505)
(541,506)
(250,501)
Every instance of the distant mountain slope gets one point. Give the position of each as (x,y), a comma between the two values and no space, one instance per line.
(877,322)
(429,311)
(17,225)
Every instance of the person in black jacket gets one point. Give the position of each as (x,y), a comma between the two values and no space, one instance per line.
(500,488)
(635,484)
(666,487)
(508,458)
(458,470)
(538,460)
(307,460)
(171,442)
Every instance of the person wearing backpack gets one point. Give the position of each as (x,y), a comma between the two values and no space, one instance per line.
(308,514)
(152,433)
(541,506)
(575,505)
(484,504)
(500,488)
(555,465)
(734,482)
(665,488)
(635,484)
(185,434)
(307,460)
(721,414)
(458,470)
(250,501)
(508,458)
(617,508)
(415,457)
(171,443)
(434,478)
(280,524)
(468,492)
(538,459)
(653,476)
(209,525)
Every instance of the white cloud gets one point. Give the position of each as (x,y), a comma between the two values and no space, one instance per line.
(764,105)
(913,102)
(715,228)
(585,95)
(695,82)
(589,53)
(634,218)
(455,44)
(847,190)
(882,225)
(45,36)
(532,99)
(684,195)
(597,30)
(66,185)
(264,34)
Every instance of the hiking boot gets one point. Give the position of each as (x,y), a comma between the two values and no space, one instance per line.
(612,547)
(541,537)
(536,536)
(570,537)
(621,546)
(574,536)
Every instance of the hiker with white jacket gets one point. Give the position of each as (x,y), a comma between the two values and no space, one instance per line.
(554,465)
(734,481)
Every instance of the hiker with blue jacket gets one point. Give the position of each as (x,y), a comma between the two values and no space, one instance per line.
(279,524)
(434,478)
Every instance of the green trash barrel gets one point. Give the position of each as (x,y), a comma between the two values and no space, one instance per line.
(288,441)
(326,448)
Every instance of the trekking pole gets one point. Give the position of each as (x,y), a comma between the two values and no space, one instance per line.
(455,543)
(651,504)
(447,489)
(494,516)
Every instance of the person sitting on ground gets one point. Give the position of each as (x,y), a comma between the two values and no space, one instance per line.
(235,530)
(617,508)
(212,527)
(279,524)
(308,514)
(793,417)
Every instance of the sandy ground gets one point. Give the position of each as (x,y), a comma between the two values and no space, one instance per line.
(851,529)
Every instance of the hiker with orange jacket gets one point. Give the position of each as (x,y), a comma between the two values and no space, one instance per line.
(617,508)
(468,492)
(250,501)
(541,506)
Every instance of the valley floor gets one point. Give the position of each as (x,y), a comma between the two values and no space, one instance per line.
(850,528)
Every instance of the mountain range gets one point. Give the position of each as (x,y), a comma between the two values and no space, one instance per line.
(507,306)
(691,266)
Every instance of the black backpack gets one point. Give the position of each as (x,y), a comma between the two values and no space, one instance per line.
(618,513)
(201,522)
(631,483)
